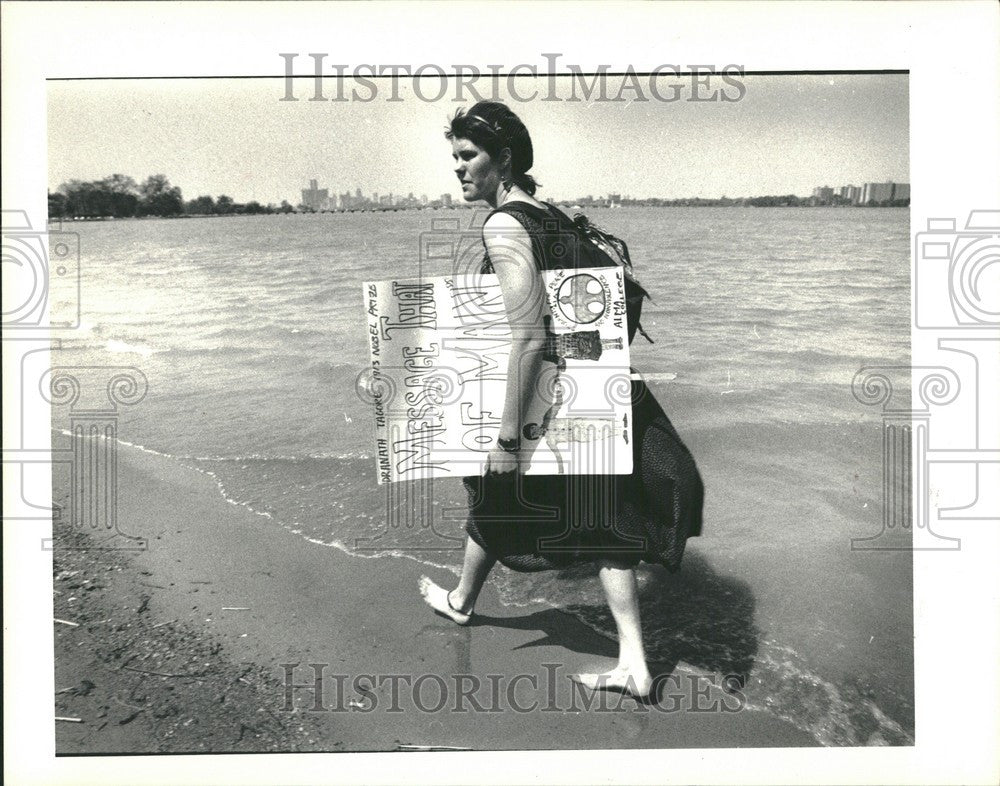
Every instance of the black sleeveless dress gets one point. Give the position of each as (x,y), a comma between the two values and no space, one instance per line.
(548,522)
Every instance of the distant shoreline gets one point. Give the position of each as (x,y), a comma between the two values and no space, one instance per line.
(79,219)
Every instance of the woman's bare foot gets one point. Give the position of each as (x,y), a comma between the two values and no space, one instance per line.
(439,599)
(636,683)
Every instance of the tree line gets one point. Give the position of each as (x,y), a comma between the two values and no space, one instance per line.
(119,196)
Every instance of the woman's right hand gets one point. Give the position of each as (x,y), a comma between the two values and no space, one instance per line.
(500,462)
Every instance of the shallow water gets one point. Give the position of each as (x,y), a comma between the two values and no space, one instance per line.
(250,332)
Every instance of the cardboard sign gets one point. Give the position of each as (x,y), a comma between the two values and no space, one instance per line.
(439,355)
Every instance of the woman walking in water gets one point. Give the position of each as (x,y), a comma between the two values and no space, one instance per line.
(650,513)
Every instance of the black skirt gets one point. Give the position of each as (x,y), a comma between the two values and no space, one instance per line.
(547,522)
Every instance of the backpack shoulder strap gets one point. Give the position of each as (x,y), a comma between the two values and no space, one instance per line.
(532,219)
(520,208)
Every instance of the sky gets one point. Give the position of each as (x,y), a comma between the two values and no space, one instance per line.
(786,135)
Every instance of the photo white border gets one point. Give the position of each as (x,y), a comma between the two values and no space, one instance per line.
(951,51)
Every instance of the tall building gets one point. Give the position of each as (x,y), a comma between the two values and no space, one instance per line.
(446,200)
(314,197)
(880,192)
(822,195)
(902,191)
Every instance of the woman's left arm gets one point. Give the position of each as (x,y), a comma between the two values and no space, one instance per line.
(510,251)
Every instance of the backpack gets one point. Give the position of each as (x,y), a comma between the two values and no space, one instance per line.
(593,248)
(610,251)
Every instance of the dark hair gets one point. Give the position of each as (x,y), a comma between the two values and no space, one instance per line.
(492,126)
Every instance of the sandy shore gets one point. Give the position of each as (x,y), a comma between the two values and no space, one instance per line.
(256,612)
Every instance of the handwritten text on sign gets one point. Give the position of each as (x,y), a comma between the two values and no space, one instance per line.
(439,351)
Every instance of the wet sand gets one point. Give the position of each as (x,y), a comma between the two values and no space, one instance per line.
(257,612)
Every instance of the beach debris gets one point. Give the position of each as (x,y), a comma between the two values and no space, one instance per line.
(236,608)
(83,689)
(129,718)
(86,686)
(244,728)
(66,622)
(402,747)
(164,673)
(161,624)
(143,605)
(69,720)
(126,704)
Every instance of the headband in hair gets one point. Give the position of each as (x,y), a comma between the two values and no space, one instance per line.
(495,127)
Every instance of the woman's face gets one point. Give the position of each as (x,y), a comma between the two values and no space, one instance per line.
(478,172)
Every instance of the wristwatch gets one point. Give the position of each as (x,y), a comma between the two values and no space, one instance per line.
(511,445)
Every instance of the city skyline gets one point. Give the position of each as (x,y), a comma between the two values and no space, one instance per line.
(319,199)
(787,134)
(119,196)
(868,193)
